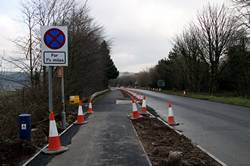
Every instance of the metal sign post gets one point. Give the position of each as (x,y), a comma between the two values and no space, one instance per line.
(50,88)
(54,46)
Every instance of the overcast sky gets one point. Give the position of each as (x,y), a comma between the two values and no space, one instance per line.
(141,31)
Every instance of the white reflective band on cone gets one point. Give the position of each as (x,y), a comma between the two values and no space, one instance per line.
(170,111)
(90,105)
(80,110)
(134,107)
(144,103)
(52,129)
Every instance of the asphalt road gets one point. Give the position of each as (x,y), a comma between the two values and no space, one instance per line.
(222,129)
(108,139)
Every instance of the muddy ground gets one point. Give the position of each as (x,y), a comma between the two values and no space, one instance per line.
(167,148)
(15,152)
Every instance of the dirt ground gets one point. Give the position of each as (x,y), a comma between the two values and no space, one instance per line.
(14,151)
(167,148)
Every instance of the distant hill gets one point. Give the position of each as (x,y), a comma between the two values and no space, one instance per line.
(122,74)
(10,81)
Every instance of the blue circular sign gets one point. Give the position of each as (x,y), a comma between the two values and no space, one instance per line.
(54,38)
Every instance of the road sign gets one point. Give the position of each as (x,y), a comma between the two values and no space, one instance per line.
(54,45)
(161,83)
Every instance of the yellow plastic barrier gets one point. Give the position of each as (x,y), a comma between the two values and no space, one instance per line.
(74,99)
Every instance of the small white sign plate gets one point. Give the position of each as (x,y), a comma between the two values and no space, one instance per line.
(23,127)
(54,58)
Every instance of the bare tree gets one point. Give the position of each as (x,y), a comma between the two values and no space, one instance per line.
(51,12)
(216,28)
(27,45)
(37,13)
(243,8)
(190,48)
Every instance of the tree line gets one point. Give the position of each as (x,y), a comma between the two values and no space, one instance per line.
(90,64)
(210,55)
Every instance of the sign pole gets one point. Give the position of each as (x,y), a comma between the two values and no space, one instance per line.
(50,88)
(63,100)
(54,47)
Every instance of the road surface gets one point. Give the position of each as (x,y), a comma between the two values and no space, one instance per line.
(222,129)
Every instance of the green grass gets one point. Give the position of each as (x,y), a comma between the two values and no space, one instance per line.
(7,93)
(222,98)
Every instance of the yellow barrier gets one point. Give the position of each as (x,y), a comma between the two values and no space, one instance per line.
(74,99)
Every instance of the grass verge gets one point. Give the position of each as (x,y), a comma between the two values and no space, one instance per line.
(217,98)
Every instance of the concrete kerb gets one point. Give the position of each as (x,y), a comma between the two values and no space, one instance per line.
(93,96)
(96,94)
(179,133)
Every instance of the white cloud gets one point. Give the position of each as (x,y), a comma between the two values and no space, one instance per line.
(10,30)
(142,30)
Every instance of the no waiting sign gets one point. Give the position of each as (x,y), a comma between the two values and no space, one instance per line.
(54,45)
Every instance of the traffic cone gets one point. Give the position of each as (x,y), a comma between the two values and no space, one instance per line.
(170,119)
(90,109)
(144,105)
(54,145)
(135,113)
(80,117)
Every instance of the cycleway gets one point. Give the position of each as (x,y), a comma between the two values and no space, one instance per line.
(108,139)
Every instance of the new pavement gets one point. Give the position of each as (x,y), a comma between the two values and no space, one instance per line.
(107,140)
(222,129)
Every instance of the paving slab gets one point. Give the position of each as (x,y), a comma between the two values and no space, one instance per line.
(108,139)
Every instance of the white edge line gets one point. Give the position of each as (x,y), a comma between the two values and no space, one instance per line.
(208,153)
(146,154)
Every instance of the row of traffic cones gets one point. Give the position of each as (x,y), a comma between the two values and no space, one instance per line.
(54,142)
(80,116)
(136,114)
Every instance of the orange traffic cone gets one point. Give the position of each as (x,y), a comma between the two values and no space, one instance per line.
(54,139)
(170,119)
(80,117)
(135,113)
(90,109)
(144,105)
